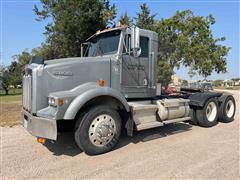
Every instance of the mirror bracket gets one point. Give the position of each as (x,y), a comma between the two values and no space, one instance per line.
(135,41)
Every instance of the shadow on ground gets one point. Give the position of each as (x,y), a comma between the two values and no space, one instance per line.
(65,145)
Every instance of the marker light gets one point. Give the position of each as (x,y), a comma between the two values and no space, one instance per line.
(41,140)
(101,82)
(60,102)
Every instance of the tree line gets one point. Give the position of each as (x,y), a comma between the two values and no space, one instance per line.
(185,39)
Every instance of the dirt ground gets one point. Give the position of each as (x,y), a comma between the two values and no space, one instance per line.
(174,151)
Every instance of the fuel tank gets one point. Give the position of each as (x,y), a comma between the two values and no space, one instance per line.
(172,108)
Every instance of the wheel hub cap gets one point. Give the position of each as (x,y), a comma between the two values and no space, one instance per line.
(102,130)
(230,108)
(211,111)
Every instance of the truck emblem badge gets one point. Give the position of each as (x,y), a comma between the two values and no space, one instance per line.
(63,73)
(135,67)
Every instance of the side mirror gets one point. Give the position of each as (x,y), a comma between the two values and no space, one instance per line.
(135,41)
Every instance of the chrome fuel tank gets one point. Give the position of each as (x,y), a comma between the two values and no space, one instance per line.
(172,108)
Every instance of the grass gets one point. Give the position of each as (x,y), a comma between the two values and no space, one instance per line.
(11,99)
(10,109)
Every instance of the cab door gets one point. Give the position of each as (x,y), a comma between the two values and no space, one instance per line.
(135,70)
(129,75)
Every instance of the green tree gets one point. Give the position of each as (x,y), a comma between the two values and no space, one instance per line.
(4,80)
(17,66)
(218,83)
(71,23)
(23,58)
(125,19)
(145,19)
(184,83)
(164,73)
(186,39)
(45,51)
(14,73)
(235,79)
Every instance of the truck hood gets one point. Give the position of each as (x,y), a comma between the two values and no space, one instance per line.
(66,74)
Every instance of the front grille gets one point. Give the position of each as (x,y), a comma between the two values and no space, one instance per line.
(27,92)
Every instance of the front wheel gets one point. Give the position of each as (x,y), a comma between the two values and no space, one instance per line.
(98,130)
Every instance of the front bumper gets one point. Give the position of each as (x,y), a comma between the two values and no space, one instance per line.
(39,126)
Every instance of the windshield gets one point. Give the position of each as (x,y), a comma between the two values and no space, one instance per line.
(104,44)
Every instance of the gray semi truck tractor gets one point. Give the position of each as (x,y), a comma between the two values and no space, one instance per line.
(111,89)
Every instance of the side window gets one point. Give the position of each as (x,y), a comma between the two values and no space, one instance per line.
(144,45)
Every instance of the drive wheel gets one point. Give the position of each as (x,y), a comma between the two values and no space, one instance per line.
(99,130)
(208,115)
(227,110)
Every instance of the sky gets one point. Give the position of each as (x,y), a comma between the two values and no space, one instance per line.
(19,29)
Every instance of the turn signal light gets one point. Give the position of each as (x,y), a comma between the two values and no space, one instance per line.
(41,140)
(101,82)
(60,102)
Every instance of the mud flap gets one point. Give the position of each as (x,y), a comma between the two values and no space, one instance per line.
(129,126)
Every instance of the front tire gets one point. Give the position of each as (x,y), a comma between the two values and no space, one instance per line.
(99,130)
(208,115)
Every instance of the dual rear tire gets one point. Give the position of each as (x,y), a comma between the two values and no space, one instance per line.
(214,111)
(227,109)
(208,115)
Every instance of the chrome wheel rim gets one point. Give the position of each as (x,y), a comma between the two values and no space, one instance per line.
(230,109)
(211,111)
(102,130)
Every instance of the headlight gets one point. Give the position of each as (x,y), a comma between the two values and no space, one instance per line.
(55,101)
(52,101)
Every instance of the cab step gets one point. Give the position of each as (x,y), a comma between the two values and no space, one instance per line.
(158,124)
(170,121)
(149,125)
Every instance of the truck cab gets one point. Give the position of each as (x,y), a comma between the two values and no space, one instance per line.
(111,88)
(132,74)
